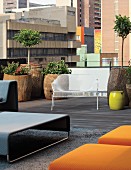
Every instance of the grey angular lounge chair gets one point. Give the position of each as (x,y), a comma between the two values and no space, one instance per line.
(8,95)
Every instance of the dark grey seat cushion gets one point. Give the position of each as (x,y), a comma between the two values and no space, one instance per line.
(4,88)
(8,95)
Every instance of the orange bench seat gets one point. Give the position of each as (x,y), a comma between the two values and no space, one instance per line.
(118,136)
(95,157)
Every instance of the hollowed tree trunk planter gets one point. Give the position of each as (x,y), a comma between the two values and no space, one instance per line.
(37,81)
(128,88)
(117,82)
(24,85)
(48,79)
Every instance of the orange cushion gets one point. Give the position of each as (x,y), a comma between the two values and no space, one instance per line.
(95,157)
(118,136)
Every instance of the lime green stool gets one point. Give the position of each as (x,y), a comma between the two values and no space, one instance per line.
(116,100)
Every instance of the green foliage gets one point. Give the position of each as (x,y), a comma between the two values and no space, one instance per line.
(56,68)
(122,26)
(128,73)
(28,37)
(10,68)
(22,71)
(14,69)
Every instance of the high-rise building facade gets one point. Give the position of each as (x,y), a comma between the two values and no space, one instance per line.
(6,5)
(111,43)
(88,12)
(83,13)
(95,14)
(58,31)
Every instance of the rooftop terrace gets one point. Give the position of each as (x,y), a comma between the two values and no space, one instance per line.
(82,112)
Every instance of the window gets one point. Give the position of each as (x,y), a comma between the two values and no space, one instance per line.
(54,36)
(17,52)
(71,3)
(45,36)
(77,37)
(11,34)
(36,52)
(71,13)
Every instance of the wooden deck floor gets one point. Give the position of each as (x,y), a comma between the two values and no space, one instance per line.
(82,111)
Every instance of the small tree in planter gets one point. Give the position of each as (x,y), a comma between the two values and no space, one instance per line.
(117,79)
(28,38)
(122,28)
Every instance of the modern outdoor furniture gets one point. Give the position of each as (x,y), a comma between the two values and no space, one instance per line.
(95,157)
(116,100)
(118,136)
(74,85)
(11,123)
(8,95)
(109,153)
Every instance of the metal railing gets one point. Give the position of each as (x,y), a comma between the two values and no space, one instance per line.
(97,64)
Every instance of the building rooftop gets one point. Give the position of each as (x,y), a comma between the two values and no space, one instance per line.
(38,21)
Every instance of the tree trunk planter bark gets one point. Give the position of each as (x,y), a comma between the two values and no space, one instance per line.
(128,89)
(37,81)
(117,82)
(24,85)
(48,79)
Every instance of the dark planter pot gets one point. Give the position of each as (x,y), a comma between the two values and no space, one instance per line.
(128,89)
(48,79)
(37,81)
(24,85)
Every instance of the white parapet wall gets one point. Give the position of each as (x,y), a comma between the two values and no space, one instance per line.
(102,74)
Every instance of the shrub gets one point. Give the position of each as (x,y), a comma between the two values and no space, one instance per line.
(14,69)
(56,68)
(122,28)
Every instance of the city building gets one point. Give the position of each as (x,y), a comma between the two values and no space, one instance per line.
(111,43)
(71,3)
(83,13)
(38,5)
(95,14)
(6,5)
(58,32)
(86,36)
(88,12)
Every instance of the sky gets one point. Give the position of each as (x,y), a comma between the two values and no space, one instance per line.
(43,1)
